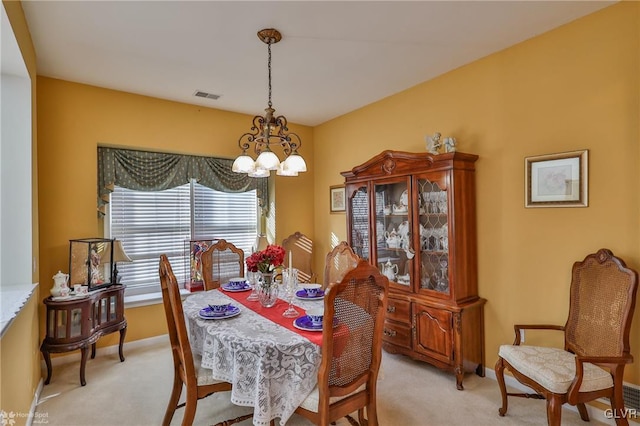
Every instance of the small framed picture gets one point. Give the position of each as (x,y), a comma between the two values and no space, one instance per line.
(557,180)
(337,200)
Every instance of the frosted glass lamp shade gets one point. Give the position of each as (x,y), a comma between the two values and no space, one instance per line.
(267,160)
(243,164)
(259,173)
(295,163)
(283,171)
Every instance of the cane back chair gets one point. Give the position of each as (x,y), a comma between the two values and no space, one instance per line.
(221,262)
(186,367)
(354,312)
(339,261)
(301,248)
(596,343)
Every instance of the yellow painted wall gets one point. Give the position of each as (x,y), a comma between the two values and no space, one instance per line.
(75,118)
(19,348)
(576,87)
(20,362)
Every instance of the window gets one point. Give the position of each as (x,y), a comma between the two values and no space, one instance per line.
(153,223)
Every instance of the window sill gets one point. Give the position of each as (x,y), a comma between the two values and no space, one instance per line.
(12,300)
(138,300)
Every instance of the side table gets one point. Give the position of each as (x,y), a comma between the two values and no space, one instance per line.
(78,322)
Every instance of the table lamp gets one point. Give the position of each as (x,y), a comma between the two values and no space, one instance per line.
(119,255)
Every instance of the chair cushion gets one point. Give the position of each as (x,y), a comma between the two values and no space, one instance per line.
(554,368)
(204,374)
(311,402)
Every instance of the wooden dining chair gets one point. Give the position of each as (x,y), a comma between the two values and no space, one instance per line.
(221,262)
(301,248)
(596,343)
(339,261)
(354,311)
(186,367)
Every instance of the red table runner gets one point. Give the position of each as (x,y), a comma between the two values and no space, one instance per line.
(274,314)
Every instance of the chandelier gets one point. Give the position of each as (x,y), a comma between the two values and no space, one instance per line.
(269,131)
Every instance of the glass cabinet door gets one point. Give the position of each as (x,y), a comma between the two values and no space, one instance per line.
(434,236)
(393,230)
(359,217)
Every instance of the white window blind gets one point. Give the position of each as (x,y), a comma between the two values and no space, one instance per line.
(153,223)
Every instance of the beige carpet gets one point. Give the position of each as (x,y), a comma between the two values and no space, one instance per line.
(136,392)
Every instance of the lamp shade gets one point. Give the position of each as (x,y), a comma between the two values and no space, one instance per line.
(295,163)
(283,171)
(243,164)
(119,255)
(259,173)
(267,160)
(261,243)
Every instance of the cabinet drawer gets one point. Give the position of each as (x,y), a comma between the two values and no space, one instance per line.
(398,310)
(397,334)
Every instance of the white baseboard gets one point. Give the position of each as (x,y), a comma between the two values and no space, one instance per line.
(34,403)
(75,356)
(594,413)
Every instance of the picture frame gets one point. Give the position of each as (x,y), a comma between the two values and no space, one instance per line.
(557,180)
(337,199)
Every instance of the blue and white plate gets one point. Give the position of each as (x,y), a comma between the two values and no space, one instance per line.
(207,313)
(233,289)
(304,323)
(302,295)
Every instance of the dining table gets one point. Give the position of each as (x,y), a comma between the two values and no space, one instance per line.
(271,364)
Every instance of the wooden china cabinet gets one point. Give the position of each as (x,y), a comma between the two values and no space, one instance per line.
(413,216)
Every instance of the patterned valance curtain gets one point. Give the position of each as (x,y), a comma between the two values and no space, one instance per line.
(156,171)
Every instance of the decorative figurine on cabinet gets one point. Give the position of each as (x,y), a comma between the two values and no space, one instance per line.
(433,143)
(449,144)
(91,262)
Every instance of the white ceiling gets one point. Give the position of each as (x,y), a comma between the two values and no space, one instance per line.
(334,57)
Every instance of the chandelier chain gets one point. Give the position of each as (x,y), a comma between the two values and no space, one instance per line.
(269,66)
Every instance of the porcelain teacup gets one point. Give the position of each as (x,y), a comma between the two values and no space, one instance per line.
(315,315)
(236,283)
(219,305)
(311,289)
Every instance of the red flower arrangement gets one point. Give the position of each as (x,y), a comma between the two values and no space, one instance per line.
(267,260)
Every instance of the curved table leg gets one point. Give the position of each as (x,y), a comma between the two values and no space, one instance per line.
(93,351)
(123,332)
(83,363)
(47,360)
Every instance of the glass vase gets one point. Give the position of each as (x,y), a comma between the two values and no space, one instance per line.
(267,290)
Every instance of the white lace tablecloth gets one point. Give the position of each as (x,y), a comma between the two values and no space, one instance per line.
(271,368)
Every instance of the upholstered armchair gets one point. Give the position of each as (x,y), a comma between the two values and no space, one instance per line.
(596,343)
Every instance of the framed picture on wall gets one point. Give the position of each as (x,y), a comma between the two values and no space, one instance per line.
(557,180)
(337,200)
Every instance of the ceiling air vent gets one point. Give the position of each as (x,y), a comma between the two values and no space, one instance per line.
(201,94)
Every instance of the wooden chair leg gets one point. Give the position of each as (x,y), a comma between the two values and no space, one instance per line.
(190,408)
(361,418)
(173,399)
(617,399)
(582,409)
(503,388)
(554,411)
